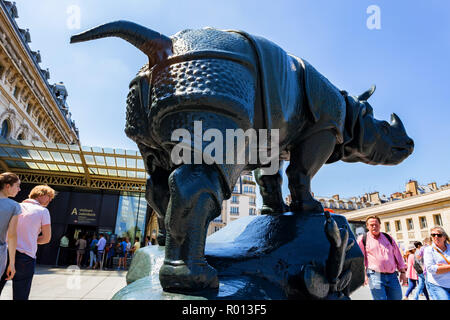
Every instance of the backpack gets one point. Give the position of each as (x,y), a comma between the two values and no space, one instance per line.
(385,234)
(417,266)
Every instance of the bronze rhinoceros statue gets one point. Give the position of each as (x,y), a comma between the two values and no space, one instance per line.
(234,80)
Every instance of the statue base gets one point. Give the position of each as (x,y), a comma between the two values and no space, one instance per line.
(262,257)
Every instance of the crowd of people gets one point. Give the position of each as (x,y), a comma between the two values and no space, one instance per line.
(425,267)
(98,252)
(25,225)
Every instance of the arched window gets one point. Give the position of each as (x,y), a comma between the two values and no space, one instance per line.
(5,129)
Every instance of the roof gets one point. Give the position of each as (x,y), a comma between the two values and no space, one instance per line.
(89,163)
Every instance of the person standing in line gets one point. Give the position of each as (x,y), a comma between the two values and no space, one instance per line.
(136,246)
(100,250)
(420,269)
(125,242)
(63,250)
(437,263)
(411,273)
(81,245)
(9,211)
(34,220)
(382,258)
(93,252)
(127,251)
(121,246)
(148,242)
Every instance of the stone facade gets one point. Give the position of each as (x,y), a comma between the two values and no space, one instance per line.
(241,204)
(30,108)
(410,215)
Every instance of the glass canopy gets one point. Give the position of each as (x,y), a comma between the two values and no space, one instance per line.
(93,162)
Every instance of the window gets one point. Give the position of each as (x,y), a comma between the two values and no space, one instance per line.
(4,132)
(437,219)
(29,108)
(234,199)
(387,227)
(423,222)
(398,225)
(130,221)
(16,92)
(409,224)
(234,211)
(252,211)
(21,137)
(235,189)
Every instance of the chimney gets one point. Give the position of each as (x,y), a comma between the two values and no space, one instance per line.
(336,197)
(375,197)
(433,186)
(411,187)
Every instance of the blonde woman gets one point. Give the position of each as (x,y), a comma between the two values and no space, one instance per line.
(9,211)
(437,263)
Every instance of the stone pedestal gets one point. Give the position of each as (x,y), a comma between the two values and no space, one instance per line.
(261,257)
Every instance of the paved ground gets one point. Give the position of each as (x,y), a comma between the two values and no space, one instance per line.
(73,284)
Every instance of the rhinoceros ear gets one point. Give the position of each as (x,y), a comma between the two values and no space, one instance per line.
(366,95)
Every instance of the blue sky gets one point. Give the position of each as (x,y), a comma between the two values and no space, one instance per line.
(407,59)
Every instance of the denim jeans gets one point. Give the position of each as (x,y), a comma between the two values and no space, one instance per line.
(437,292)
(93,258)
(25,266)
(411,285)
(421,288)
(384,286)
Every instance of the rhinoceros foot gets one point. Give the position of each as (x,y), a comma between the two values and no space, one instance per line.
(188,278)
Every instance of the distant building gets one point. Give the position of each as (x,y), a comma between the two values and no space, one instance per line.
(241,204)
(30,107)
(408,216)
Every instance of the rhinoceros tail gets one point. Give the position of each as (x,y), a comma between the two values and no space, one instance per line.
(154,44)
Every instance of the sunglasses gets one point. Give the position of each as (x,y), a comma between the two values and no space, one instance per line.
(439,235)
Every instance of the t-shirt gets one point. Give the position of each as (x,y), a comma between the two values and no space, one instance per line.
(101,244)
(8,209)
(137,246)
(64,242)
(124,246)
(93,244)
(82,244)
(33,217)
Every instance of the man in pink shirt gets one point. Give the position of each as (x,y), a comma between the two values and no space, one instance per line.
(382,259)
(34,220)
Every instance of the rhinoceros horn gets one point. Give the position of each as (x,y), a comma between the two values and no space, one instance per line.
(366,95)
(155,45)
(396,122)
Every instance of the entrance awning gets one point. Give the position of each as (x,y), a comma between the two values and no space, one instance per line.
(73,165)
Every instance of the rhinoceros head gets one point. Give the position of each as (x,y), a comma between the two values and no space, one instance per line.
(373,141)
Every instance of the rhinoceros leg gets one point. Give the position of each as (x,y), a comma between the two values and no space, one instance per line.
(306,158)
(196,196)
(157,196)
(270,190)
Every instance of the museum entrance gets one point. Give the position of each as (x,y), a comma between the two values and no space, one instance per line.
(75,232)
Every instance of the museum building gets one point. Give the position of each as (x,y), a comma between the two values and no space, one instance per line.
(98,189)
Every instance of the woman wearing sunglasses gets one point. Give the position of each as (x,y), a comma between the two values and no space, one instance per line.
(437,263)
